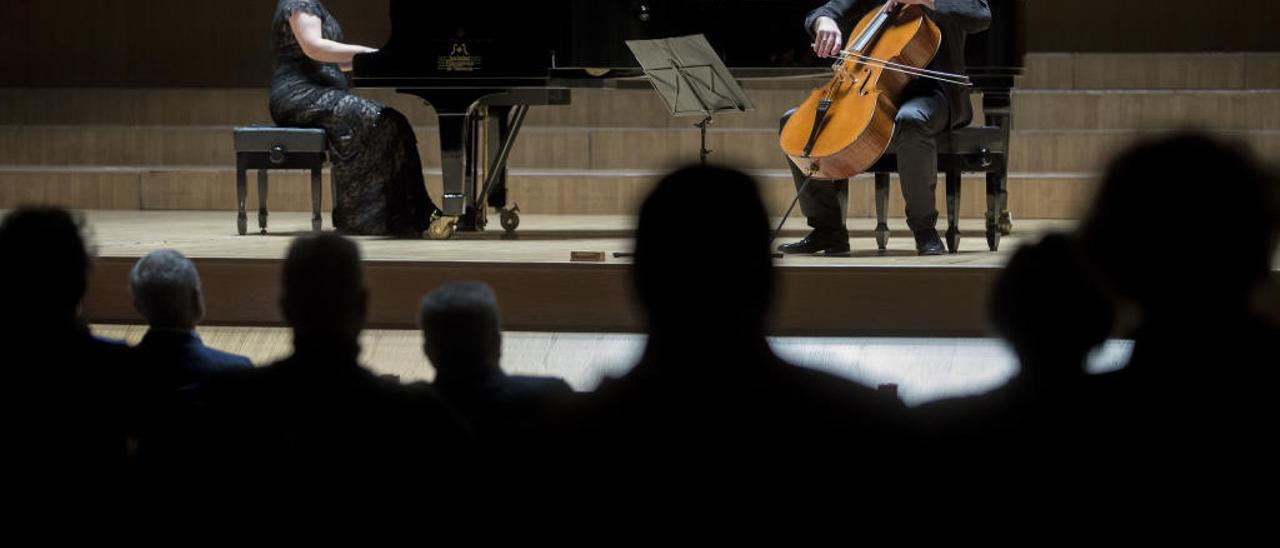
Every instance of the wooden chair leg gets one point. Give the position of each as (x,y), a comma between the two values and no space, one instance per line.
(953,211)
(242,219)
(1006,219)
(882,211)
(262,201)
(993,210)
(315,200)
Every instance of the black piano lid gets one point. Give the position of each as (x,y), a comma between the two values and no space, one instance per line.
(499,43)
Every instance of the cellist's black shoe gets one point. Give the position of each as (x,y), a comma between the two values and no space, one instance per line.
(930,243)
(834,242)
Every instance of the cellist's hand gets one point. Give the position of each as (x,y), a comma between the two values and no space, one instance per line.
(931,4)
(828,40)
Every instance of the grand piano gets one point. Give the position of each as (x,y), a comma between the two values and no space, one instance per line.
(482,65)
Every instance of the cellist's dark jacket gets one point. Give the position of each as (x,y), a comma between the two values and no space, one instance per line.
(955,18)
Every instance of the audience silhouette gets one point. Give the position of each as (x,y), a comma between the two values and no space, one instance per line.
(66,390)
(709,396)
(318,413)
(709,399)
(462,336)
(166,291)
(171,359)
(1053,311)
(1203,358)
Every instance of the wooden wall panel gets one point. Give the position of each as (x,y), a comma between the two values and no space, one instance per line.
(226,43)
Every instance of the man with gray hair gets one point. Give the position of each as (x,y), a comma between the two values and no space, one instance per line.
(462,336)
(166,291)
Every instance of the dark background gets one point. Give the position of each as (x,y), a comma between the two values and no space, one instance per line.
(225,42)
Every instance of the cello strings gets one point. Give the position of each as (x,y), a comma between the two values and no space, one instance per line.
(948,80)
(965,82)
(935,75)
(959,79)
(855,55)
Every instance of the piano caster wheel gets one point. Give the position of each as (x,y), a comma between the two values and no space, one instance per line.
(1006,223)
(442,228)
(510,219)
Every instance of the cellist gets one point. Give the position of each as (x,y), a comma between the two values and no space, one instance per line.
(929,108)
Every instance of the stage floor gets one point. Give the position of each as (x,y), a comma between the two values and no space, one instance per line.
(541,239)
(541,290)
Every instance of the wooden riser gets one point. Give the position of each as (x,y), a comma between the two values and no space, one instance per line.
(540,289)
(1034,151)
(1044,109)
(1152,71)
(862,301)
(1221,110)
(1049,196)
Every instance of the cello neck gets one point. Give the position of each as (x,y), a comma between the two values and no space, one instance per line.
(868,37)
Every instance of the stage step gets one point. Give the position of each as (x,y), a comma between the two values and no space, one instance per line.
(542,290)
(592,192)
(1112,109)
(641,108)
(1225,70)
(1035,151)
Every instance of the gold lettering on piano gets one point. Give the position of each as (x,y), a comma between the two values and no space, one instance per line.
(460,60)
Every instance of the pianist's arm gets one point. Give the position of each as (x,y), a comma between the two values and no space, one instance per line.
(309,30)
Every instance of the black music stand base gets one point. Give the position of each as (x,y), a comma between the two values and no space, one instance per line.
(703,152)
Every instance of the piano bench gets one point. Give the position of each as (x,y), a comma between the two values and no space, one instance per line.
(265,148)
(964,150)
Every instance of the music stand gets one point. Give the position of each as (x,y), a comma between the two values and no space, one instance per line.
(691,79)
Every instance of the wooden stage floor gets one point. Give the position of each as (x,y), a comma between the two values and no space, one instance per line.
(540,290)
(540,239)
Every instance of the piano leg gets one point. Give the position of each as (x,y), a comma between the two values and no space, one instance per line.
(460,153)
(453,159)
(497,133)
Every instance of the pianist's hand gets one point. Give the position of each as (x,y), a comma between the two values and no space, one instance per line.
(828,40)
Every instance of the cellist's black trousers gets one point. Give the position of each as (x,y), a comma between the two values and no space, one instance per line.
(919,122)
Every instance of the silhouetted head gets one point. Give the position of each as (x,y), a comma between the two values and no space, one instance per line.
(1184,222)
(461,330)
(323,295)
(702,260)
(45,266)
(1051,309)
(166,290)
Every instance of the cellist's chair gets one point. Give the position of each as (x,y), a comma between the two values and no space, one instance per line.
(979,149)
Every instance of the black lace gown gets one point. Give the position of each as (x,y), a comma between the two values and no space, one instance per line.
(377,173)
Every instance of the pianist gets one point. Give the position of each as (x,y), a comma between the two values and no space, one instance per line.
(377,174)
(929,108)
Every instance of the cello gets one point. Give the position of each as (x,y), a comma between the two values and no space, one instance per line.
(844,127)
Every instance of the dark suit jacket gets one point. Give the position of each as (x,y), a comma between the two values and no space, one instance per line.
(176,359)
(756,417)
(319,412)
(67,399)
(955,18)
(502,405)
